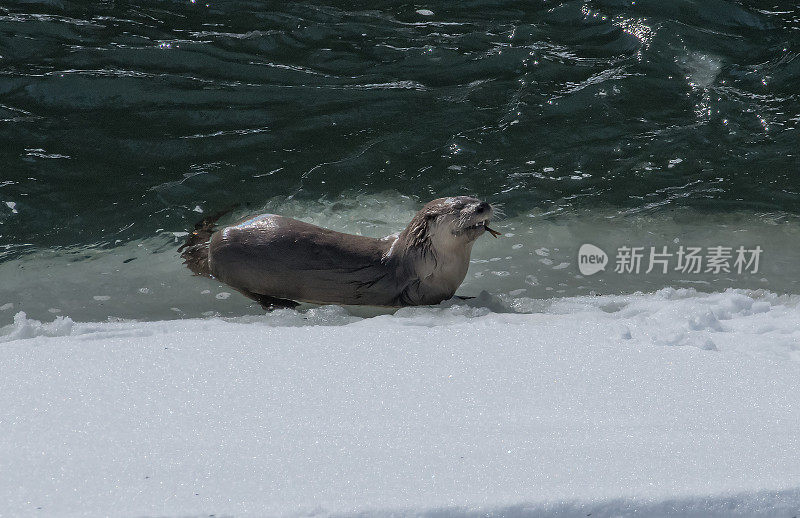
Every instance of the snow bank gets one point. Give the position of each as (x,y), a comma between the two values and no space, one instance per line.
(23,327)
(588,405)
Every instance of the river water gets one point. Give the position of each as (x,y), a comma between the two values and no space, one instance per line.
(622,124)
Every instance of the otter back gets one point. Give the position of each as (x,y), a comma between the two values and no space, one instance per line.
(290,259)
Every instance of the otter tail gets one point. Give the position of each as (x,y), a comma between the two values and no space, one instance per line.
(195,250)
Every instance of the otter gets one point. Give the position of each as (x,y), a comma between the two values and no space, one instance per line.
(279,261)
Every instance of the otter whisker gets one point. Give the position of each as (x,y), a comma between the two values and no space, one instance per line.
(499,213)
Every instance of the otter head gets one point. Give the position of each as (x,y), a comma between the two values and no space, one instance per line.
(449,222)
(437,244)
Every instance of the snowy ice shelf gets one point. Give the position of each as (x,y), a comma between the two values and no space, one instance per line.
(674,403)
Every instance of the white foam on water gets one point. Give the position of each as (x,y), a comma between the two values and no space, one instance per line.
(702,69)
(608,405)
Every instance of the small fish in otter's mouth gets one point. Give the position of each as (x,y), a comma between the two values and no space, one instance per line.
(491,231)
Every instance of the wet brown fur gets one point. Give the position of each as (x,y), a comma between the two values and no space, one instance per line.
(277,260)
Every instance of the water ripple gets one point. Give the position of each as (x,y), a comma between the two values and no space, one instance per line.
(235,101)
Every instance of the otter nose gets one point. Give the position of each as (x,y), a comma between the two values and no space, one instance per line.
(482,207)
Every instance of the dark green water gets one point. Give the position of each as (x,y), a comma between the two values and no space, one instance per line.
(120,121)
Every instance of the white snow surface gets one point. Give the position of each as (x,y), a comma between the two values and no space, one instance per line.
(673,403)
